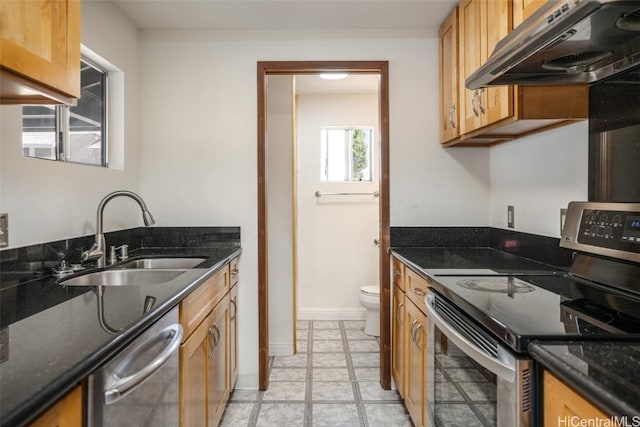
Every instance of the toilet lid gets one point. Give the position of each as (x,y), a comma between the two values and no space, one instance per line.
(373,290)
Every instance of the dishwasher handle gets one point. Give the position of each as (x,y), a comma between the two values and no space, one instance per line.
(116,388)
(493,364)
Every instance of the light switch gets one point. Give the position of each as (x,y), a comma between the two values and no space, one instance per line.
(4,230)
(510,217)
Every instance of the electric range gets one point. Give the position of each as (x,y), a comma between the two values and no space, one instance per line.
(482,317)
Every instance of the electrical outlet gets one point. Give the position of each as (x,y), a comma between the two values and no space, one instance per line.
(563,217)
(4,230)
(510,217)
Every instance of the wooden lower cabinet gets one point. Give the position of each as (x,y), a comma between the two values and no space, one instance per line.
(67,412)
(208,356)
(233,335)
(193,378)
(218,362)
(563,406)
(399,339)
(415,386)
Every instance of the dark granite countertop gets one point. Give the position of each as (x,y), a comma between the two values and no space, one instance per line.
(606,373)
(451,260)
(53,339)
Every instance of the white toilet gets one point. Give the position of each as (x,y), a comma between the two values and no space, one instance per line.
(370,299)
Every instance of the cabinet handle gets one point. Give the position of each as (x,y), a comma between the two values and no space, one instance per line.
(215,328)
(451,110)
(234,272)
(398,313)
(212,342)
(480,92)
(419,292)
(397,272)
(415,335)
(473,103)
(235,309)
(214,335)
(413,325)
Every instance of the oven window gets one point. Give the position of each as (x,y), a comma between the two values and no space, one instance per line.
(465,393)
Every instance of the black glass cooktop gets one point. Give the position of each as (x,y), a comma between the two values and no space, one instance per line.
(521,308)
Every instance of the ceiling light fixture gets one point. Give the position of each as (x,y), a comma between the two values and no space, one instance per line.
(333,76)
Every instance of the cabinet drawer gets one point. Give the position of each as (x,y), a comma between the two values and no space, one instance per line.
(234,272)
(416,288)
(195,307)
(397,270)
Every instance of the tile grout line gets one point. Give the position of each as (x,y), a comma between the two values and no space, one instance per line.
(308,408)
(255,412)
(362,418)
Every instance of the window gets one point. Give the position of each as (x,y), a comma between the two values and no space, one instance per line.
(71,134)
(346,154)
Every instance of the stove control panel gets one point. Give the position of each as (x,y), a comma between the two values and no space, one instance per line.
(611,229)
(606,228)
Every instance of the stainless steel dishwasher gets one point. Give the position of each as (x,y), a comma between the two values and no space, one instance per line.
(139,386)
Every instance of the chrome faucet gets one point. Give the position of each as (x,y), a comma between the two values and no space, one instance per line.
(97,250)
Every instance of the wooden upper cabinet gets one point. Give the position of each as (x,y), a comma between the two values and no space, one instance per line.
(522,9)
(482,25)
(496,103)
(449,102)
(503,113)
(39,51)
(470,31)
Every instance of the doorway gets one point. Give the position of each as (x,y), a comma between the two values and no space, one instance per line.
(314,67)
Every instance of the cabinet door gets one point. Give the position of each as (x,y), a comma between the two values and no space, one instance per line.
(415,397)
(66,412)
(398,339)
(49,52)
(449,109)
(562,403)
(233,336)
(471,37)
(522,9)
(496,102)
(218,361)
(193,378)
(397,268)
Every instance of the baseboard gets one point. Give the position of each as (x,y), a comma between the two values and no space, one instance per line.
(332,313)
(280,349)
(247,382)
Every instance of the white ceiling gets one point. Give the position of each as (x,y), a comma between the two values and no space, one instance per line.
(286,14)
(358,83)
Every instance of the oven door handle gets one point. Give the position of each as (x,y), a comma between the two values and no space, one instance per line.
(495,365)
(117,387)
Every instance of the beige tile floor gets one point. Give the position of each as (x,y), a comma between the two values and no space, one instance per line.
(332,381)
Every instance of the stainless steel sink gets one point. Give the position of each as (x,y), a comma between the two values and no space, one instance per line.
(162,263)
(124,277)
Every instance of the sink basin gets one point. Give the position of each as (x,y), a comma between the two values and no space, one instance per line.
(123,277)
(162,263)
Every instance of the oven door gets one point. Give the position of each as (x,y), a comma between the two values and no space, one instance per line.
(472,380)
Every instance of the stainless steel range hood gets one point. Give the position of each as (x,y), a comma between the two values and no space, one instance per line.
(566,42)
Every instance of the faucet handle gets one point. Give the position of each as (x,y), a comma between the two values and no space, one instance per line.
(124,251)
(112,255)
(91,254)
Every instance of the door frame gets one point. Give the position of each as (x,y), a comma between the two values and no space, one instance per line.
(313,67)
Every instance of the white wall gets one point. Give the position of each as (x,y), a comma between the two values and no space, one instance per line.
(539,175)
(198,135)
(280,213)
(49,200)
(336,254)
